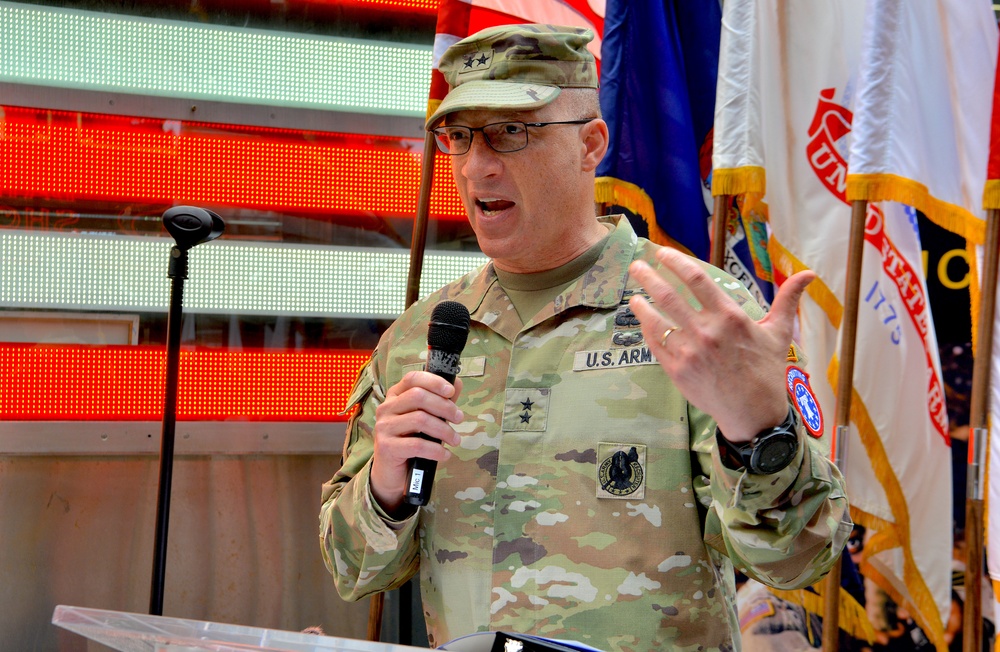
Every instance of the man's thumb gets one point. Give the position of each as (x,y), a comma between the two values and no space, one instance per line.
(786,302)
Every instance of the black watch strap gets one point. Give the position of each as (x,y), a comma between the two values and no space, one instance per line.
(769,452)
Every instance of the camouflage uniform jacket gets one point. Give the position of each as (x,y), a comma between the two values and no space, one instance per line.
(585,501)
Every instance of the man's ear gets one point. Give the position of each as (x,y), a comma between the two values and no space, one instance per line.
(594,136)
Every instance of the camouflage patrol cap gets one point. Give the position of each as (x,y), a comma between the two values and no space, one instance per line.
(519,67)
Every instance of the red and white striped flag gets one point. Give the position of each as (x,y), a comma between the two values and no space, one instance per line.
(460,18)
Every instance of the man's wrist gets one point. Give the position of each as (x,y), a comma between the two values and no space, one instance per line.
(392,513)
(390,505)
(770,451)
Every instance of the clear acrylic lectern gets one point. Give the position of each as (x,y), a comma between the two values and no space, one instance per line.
(132,632)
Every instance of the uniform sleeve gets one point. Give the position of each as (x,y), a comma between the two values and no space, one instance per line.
(785,530)
(364,549)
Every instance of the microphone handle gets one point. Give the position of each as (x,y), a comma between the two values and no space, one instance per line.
(420,471)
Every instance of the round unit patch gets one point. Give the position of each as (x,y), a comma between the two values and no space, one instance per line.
(805,401)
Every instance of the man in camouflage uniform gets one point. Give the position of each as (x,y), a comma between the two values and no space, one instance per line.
(579,494)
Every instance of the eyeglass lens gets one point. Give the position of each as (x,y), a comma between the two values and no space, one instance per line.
(501,136)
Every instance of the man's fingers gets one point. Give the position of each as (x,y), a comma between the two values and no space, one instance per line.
(667,299)
(652,323)
(418,399)
(432,426)
(425,380)
(696,278)
(428,447)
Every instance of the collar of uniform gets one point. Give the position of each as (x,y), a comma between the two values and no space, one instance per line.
(602,286)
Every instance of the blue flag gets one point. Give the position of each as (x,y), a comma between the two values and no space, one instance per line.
(659,64)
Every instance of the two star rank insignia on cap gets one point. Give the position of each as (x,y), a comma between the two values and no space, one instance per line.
(477,61)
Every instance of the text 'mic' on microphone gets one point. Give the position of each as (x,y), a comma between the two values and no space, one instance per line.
(446,337)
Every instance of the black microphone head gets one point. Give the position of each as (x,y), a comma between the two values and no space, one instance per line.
(449,327)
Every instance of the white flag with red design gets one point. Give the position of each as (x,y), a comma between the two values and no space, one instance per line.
(792,77)
(921,118)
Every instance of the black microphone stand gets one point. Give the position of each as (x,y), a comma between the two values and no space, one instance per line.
(189,226)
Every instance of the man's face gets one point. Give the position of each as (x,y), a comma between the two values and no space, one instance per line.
(524,205)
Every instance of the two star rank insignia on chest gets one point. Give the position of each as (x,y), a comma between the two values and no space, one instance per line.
(526,409)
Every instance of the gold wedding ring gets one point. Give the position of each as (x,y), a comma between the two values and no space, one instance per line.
(666,334)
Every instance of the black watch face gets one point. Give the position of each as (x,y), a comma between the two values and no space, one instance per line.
(773,453)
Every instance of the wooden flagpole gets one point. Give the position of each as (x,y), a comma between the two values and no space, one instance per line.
(375,606)
(720,219)
(845,389)
(849,327)
(419,240)
(418,243)
(972,617)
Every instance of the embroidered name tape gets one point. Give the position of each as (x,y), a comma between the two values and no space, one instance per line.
(592,360)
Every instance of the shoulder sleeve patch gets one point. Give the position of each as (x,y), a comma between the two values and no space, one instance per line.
(805,401)
(363,384)
(757,611)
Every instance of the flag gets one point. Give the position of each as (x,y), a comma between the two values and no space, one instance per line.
(923,73)
(991,201)
(460,18)
(791,77)
(747,232)
(657,96)
(991,191)
(921,117)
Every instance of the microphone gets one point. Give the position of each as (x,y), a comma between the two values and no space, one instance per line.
(446,337)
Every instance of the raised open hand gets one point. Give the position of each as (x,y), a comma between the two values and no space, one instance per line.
(725,363)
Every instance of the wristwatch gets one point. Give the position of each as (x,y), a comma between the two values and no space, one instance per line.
(770,451)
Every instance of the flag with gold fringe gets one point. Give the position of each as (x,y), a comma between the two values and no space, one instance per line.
(657,95)
(921,115)
(794,78)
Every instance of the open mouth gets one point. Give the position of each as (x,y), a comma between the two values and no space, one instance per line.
(491,207)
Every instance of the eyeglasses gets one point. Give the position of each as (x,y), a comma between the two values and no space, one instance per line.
(501,136)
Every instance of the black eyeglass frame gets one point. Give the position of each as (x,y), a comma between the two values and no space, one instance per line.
(439,131)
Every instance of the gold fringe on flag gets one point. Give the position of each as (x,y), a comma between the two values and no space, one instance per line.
(749,179)
(615,192)
(975,296)
(611,191)
(890,187)
(432,106)
(991,194)
(852,616)
(783,261)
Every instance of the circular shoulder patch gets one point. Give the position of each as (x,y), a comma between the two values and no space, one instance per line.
(805,401)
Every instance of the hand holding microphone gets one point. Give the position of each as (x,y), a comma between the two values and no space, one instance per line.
(446,337)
